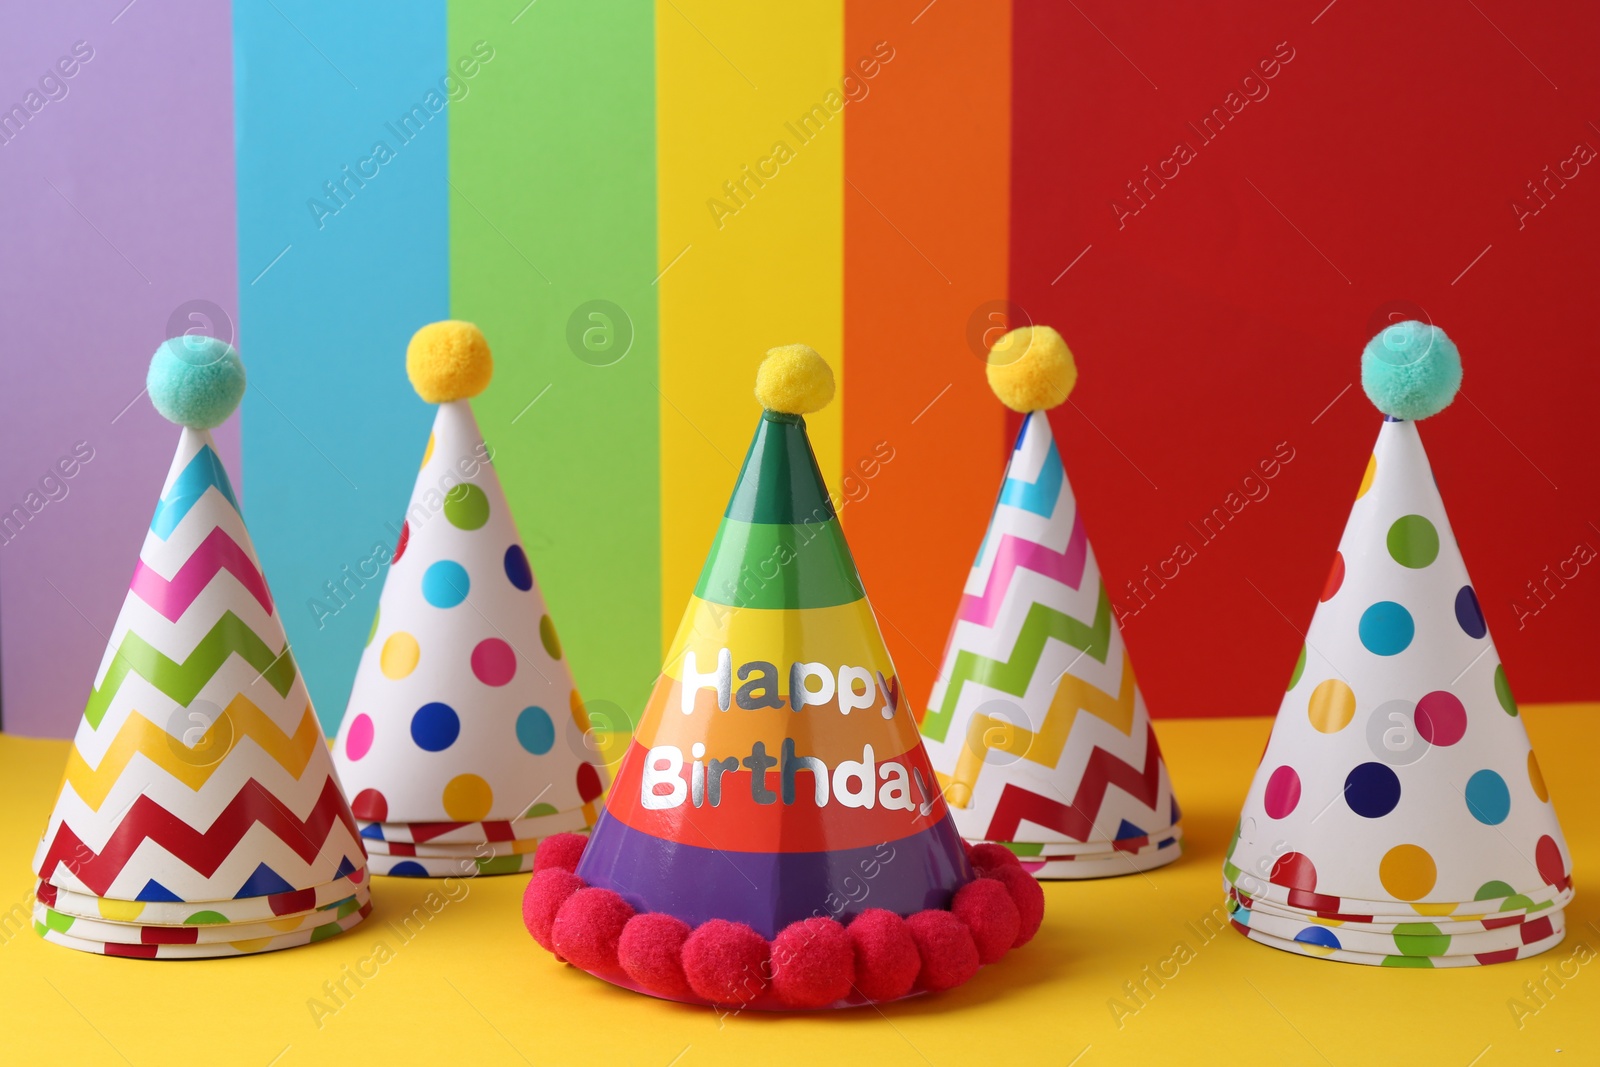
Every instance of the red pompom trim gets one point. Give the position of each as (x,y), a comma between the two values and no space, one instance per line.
(986,907)
(726,962)
(559,850)
(543,898)
(812,963)
(588,926)
(650,951)
(1027,894)
(949,955)
(887,962)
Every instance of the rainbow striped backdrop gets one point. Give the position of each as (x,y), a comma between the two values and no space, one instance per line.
(629,154)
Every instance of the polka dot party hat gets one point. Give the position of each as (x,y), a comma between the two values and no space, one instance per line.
(1036,726)
(199,814)
(462,744)
(776,838)
(1399,816)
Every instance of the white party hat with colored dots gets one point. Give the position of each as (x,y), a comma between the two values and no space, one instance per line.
(1399,789)
(464,737)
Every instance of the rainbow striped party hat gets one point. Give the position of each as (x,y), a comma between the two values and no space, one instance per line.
(200,814)
(1399,817)
(1036,725)
(776,802)
(461,744)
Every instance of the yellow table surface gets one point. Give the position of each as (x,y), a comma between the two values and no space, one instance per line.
(467,984)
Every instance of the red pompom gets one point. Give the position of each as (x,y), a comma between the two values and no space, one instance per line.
(587,927)
(726,962)
(985,905)
(966,847)
(560,851)
(1026,894)
(813,963)
(543,898)
(949,955)
(990,854)
(886,956)
(651,950)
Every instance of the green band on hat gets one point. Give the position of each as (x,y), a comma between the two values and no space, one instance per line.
(780,481)
(780,566)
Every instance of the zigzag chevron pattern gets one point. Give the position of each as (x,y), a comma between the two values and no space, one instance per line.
(1077,819)
(138,735)
(183,681)
(1014,675)
(1039,496)
(204,851)
(1045,747)
(1016,553)
(204,471)
(217,553)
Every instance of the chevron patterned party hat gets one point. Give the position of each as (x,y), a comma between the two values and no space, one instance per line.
(199,792)
(776,800)
(1036,726)
(462,744)
(1399,816)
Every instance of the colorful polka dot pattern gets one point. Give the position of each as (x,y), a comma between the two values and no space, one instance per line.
(450,714)
(1399,775)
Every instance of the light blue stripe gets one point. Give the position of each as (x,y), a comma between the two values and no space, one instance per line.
(205,471)
(332,430)
(1038,497)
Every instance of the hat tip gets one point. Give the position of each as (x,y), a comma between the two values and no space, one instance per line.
(1411,370)
(449,360)
(794,380)
(1031,369)
(195,381)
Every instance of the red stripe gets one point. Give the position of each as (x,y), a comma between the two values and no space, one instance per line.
(1076,819)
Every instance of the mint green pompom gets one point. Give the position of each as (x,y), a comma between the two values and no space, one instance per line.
(1411,370)
(196,381)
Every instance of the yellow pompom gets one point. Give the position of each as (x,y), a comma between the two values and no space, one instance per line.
(448,360)
(795,380)
(1031,369)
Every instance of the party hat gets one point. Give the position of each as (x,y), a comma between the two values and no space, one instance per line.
(775,819)
(199,792)
(464,739)
(1399,791)
(1036,725)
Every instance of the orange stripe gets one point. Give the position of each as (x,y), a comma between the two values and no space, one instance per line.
(927,164)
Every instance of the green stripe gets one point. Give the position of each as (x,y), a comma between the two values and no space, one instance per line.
(780,481)
(773,565)
(553,208)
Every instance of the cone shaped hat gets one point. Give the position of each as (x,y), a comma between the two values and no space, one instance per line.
(199,772)
(1399,783)
(464,724)
(1036,726)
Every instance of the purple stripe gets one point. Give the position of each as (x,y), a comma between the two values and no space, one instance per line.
(1016,554)
(768,891)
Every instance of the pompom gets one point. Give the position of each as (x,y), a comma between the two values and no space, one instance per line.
(1411,370)
(990,854)
(949,955)
(587,927)
(1031,369)
(561,851)
(813,963)
(1027,894)
(726,962)
(985,905)
(886,955)
(650,950)
(795,380)
(448,360)
(543,898)
(195,381)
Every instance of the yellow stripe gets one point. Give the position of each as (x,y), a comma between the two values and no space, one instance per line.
(733,81)
(193,765)
(843,635)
